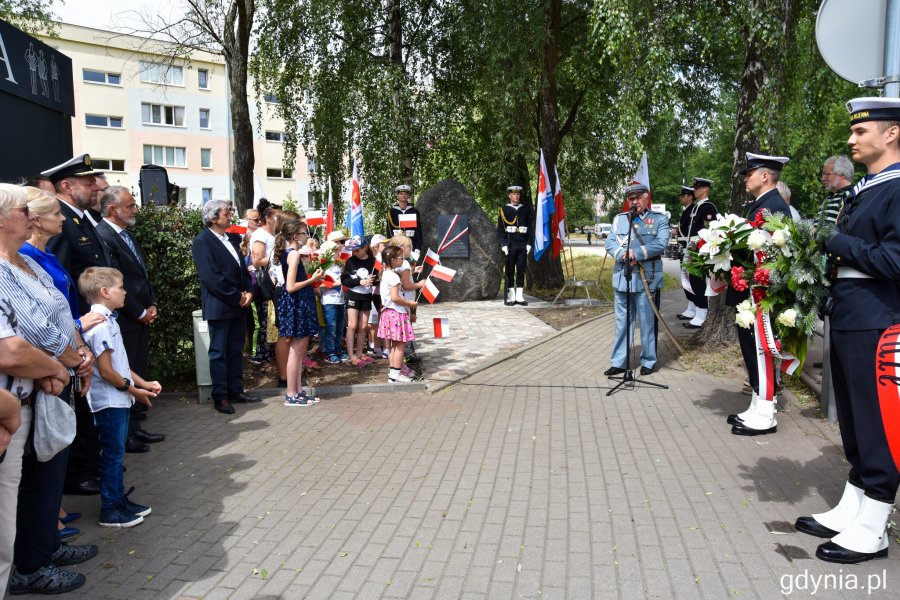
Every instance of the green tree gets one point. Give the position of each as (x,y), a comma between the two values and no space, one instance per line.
(31,16)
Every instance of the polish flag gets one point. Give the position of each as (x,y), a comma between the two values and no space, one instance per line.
(558,222)
(378,265)
(345,254)
(314,218)
(430,291)
(441,327)
(432,258)
(408,221)
(443,273)
(329,222)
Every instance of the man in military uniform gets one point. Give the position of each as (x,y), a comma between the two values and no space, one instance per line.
(837,178)
(516,236)
(686,198)
(703,211)
(642,258)
(761,177)
(78,247)
(864,253)
(403,207)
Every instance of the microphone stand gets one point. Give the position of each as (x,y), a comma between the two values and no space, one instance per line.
(628,377)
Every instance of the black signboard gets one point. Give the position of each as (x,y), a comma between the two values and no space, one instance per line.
(32,70)
(453,233)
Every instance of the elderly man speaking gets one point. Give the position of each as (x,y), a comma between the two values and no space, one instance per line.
(649,236)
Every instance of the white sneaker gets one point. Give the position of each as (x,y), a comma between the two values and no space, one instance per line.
(400,379)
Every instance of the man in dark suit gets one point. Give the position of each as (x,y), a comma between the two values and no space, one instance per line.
(224,298)
(761,177)
(119,209)
(78,247)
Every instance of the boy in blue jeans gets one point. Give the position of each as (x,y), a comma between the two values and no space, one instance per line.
(114,388)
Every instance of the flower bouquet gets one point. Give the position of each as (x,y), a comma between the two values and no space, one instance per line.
(319,260)
(779,261)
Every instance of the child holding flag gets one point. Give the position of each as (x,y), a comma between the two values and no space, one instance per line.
(297,318)
(359,278)
(394,323)
(377,347)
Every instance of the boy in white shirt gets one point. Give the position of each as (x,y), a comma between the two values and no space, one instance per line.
(114,388)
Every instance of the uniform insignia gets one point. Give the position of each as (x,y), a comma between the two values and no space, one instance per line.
(83,239)
(649,221)
(76,221)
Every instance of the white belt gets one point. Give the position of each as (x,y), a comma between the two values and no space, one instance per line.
(523,230)
(511,229)
(851,273)
(405,232)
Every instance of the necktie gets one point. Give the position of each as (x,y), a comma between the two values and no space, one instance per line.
(130,243)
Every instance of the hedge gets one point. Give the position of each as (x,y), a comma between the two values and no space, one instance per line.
(165,234)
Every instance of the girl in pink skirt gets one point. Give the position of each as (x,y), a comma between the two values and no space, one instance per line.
(393,323)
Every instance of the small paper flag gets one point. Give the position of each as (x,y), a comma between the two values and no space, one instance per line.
(377,266)
(430,291)
(432,258)
(314,218)
(441,327)
(408,221)
(443,273)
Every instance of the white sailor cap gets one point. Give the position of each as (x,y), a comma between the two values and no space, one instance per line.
(514,188)
(759,161)
(78,166)
(403,188)
(873,109)
(686,190)
(702,182)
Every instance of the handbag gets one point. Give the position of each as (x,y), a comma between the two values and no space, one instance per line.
(54,425)
(265,285)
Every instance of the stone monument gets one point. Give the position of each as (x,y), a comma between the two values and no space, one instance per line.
(477,277)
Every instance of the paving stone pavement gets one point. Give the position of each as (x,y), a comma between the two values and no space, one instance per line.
(523,481)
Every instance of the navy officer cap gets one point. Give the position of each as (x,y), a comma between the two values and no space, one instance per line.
(79,166)
(636,188)
(514,188)
(762,161)
(702,182)
(873,109)
(686,190)
(403,188)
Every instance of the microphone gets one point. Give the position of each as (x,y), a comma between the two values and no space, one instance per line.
(634,211)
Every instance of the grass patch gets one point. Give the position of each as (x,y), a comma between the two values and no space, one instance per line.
(587,268)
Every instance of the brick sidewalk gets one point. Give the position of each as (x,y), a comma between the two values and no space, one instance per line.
(524,480)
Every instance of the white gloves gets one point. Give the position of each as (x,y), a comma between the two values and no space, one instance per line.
(527,248)
(505,249)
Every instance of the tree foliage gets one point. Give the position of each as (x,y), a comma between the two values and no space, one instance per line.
(31,16)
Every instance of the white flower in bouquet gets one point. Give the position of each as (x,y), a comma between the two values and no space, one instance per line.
(757,239)
(720,261)
(787,318)
(780,237)
(747,305)
(744,318)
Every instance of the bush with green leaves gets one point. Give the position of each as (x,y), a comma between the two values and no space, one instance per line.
(165,234)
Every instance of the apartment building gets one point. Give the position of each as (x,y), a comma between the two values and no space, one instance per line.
(134,106)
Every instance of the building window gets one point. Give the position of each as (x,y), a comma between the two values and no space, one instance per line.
(271,98)
(311,165)
(277,136)
(103,121)
(207,195)
(204,118)
(205,158)
(203,79)
(108,164)
(91,76)
(162,74)
(162,114)
(279,174)
(166,156)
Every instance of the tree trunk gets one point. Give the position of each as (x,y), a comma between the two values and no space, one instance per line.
(401,114)
(547,273)
(236,50)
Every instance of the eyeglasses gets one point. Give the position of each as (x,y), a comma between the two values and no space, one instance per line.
(824,174)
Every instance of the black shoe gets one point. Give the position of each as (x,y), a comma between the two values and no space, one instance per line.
(148,438)
(523,303)
(89,487)
(46,580)
(244,398)
(831,552)
(683,318)
(810,526)
(646,370)
(134,446)
(613,371)
(734,420)
(691,326)
(224,406)
(741,429)
(73,555)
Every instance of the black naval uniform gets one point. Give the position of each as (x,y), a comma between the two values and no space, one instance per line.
(772,202)
(699,214)
(393,224)
(865,301)
(515,231)
(684,229)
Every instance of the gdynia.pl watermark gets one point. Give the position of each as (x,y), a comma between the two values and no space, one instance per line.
(811,584)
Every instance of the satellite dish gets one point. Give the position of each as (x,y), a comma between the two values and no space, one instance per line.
(850,36)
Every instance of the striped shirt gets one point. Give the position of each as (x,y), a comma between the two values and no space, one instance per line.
(20,387)
(42,313)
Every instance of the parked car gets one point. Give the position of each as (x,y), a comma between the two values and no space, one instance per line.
(602,230)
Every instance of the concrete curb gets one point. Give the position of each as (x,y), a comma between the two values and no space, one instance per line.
(441,385)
